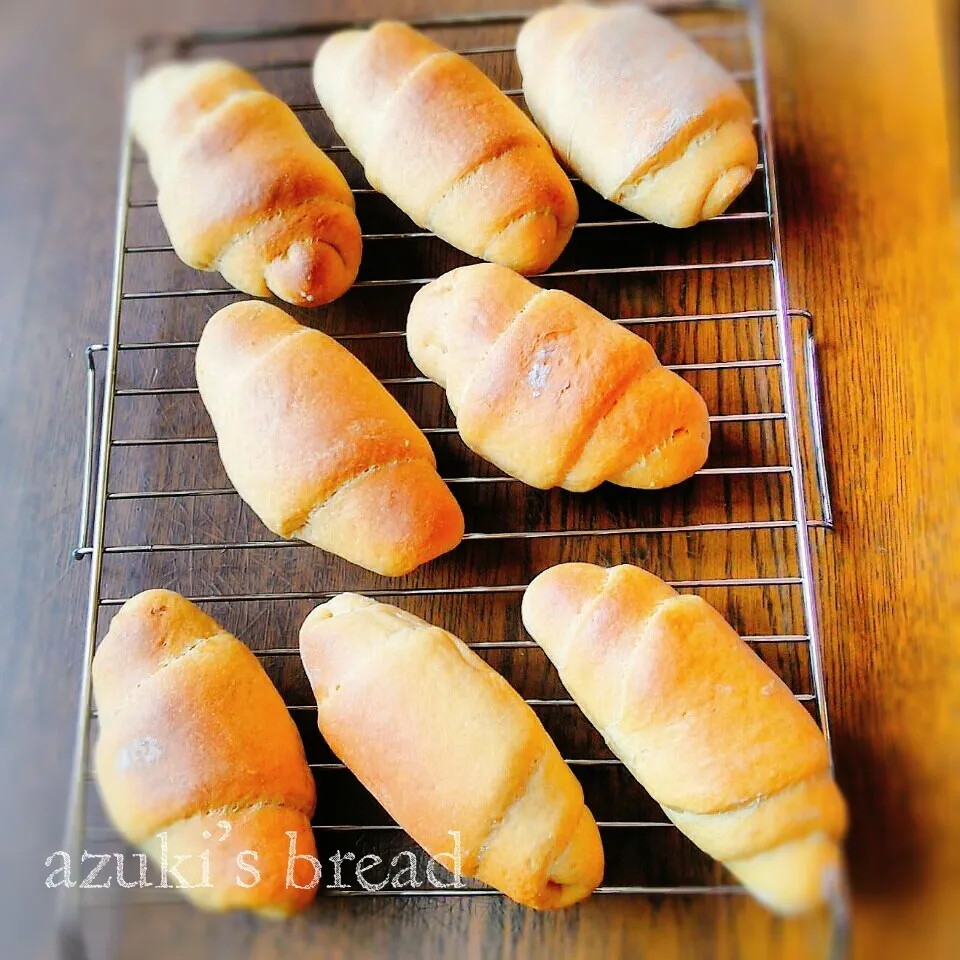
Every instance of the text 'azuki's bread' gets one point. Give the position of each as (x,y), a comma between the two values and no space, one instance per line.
(439,138)
(241,187)
(446,744)
(715,737)
(193,735)
(315,444)
(638,110)
(551,391)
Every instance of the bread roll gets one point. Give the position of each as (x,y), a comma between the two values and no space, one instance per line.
(241,187)
(192,735)
(551,391)
(638,110)
(317,447)
(446,145)
(446,744)
(710,731)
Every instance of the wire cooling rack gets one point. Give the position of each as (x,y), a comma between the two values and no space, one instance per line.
(158,509)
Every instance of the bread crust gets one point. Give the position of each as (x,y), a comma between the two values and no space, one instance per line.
(638,110)
(317,446)
(242,188)
(439,138)
(551,391)
(707,728)
(446,744)
(192,732)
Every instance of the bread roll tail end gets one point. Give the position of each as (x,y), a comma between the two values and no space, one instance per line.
(796,877)
(390,519)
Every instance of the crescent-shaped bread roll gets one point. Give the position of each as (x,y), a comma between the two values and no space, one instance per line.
(315,444)
(441,140)
(198,754)
(551,391)
(715,737)
(638,110)
(241,187)
(446,744)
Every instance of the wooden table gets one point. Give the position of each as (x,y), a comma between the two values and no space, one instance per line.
(866,177)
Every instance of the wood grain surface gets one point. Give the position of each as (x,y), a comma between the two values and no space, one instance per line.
(865,178)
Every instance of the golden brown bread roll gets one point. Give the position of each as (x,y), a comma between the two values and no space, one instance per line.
(551,391)
(710,731)
(241,187)
(318,448)
(193,733)
(446,744)
(638,110)
(446,145)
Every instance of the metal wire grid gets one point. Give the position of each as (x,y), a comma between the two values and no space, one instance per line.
(92,534)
